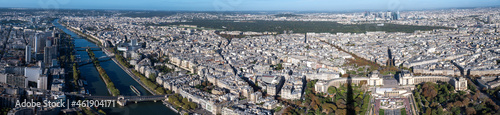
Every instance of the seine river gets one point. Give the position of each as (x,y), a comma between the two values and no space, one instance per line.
(121,80)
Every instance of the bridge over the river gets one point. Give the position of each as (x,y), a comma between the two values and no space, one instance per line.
(89,61)
(88,47)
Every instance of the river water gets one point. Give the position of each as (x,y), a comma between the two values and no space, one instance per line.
(118,76)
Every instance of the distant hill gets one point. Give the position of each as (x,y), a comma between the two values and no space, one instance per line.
(148,13)
(287,15)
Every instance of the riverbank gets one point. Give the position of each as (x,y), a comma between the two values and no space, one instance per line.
(104,76)
(137,79)
(166,103)
(88,37)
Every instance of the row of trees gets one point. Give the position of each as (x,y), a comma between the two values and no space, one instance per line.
(76,72)
(180,101)
(90,111)
(122,60)
(109,84)
(150,84)
(87,111)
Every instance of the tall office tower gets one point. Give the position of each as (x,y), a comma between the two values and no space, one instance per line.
(49,54)
(42,42)
(36,42)
(33,20)
(395,15)
(305,38)
(398,15)
(53,34)
(28,54)
(42,82)
(388,15)
(489,19)
(48,43)
(46,56)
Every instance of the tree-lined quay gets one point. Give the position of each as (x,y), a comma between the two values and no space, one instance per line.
(109,84)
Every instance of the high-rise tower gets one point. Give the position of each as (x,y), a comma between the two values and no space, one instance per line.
(28,54)
(36,43)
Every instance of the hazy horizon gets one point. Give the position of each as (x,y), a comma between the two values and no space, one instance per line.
(245,5)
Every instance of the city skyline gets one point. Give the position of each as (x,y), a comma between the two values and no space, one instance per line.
(257,5)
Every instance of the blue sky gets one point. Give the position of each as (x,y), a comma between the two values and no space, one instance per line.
(249,5)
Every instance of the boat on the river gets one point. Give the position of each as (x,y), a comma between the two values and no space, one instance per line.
(135,90)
